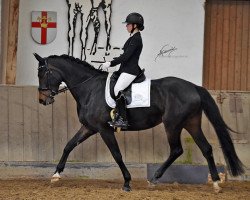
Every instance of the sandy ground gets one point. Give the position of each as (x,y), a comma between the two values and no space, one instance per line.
(99,189)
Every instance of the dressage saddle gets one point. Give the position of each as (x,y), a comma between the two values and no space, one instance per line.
(127,92)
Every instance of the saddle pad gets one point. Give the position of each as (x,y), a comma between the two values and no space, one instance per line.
(140,94)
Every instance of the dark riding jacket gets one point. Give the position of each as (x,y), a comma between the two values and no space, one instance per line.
(129,59)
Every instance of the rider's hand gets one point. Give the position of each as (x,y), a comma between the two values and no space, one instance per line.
(105,65)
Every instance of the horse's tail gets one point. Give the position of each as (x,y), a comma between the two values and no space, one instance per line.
(222,130)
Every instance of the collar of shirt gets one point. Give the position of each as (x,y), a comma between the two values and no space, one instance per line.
(134,33)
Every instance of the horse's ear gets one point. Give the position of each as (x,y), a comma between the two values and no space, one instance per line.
(39,58)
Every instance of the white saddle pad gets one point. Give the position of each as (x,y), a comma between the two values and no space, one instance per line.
(140,94)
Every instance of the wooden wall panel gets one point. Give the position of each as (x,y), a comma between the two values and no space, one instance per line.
(89,150)
(245,46)
(33,132)
(30,118)
(120,137)
(226,45)
(206,50)
(132,146)
(218,44)
(73,126)
(10,15)
(45,147)
(212,46)
(242,105)
(146,146)
(161,146)
(248,52)
(4,124)
(16,128)
(238,46)
(232,41)
(60,128)
(103,153)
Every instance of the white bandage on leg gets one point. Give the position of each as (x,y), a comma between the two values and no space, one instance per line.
(123,82)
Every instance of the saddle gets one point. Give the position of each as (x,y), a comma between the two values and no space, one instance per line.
(126,92)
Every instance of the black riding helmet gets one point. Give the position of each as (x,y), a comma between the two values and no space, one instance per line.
(135,18)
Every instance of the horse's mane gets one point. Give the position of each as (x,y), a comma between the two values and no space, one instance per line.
(77,60)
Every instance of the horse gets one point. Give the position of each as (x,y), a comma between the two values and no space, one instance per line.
(88,11)
(175,102)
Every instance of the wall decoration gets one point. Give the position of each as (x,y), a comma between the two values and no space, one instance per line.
(88,11)
(169,51)
(43,26)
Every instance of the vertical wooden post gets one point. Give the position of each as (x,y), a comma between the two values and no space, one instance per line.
(10,14)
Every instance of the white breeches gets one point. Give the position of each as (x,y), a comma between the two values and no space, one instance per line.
(123,82)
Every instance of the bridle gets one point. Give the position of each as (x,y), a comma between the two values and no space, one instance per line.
(48,74)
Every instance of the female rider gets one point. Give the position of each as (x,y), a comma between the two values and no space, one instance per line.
(129,68)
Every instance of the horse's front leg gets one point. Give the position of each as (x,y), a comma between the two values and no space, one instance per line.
(78,138)
(108,137)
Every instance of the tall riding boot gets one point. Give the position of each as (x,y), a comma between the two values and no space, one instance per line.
(121,113)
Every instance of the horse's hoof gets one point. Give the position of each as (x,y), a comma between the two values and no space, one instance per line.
(126,188)
(217,188)
(53,180)
(56,177)
(152,183)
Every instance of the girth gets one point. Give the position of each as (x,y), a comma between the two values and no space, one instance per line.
(127,92)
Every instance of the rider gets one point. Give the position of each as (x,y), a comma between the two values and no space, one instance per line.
(129,68)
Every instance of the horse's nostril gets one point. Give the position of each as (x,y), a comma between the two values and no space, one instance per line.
(41,101)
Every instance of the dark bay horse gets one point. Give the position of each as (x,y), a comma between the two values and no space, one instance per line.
(175,102)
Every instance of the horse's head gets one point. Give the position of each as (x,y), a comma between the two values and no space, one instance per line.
(49,80)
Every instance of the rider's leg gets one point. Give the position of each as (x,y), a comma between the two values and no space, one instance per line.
(122,83)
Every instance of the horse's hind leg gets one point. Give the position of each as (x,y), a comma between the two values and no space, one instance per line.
(78,138)
(193,126)
(176,150)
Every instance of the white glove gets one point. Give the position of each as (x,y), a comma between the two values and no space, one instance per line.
(106,65)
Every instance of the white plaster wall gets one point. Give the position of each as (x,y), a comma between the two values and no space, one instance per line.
(177,23)
(0,27)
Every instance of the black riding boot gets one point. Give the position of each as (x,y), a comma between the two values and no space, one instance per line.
(120,119)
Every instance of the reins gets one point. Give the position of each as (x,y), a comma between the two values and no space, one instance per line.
(67,88)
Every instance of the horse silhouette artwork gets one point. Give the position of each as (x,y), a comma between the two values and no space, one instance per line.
(175,102)
(88,11)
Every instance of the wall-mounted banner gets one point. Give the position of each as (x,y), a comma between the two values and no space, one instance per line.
(43,26)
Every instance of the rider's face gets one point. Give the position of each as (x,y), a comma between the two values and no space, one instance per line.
(129,27)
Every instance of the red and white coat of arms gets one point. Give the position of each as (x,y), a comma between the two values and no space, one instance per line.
(43,26)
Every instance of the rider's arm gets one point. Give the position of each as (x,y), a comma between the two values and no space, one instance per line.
(130,50)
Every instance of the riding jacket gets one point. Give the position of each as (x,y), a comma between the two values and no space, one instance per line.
(129,59)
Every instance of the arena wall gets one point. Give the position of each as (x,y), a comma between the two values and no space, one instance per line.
(33,132)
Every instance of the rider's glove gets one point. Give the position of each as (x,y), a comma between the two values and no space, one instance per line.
(105,65)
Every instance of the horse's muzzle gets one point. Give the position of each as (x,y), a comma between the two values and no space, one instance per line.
(47,101)
(45,98)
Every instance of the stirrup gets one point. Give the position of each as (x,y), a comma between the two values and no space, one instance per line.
(119,123)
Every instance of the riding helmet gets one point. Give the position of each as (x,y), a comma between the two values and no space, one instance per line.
(135,18)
